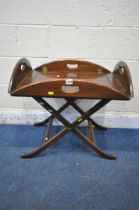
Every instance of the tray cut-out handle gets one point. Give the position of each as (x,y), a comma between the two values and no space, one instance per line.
(72,66)
(70,89)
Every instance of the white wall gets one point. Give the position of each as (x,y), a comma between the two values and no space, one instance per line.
(102,31)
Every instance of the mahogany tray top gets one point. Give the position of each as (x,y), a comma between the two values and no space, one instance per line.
(71,78)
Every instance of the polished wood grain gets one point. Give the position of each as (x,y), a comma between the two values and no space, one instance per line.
(71,78)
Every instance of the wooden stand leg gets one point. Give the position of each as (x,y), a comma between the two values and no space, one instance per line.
(45,145)
(44,122)
(70,127)
(48,130)
(100,127)
(91,131)
(62,133)
(93,146)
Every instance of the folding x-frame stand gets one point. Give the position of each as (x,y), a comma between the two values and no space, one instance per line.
(70,126)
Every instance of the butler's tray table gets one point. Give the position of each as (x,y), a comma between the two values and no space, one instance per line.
(71,80)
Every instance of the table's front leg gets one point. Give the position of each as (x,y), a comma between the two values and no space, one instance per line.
(45,145)
(93,145)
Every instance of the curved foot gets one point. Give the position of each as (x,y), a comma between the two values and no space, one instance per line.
(102,153)
(45,145)
(98,126)
(35,152)
(42,123)
(93,146)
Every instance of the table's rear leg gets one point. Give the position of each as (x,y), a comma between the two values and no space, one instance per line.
(45,145)
(48,130)
(91,131)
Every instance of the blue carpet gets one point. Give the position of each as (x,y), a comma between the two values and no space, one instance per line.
(68,175)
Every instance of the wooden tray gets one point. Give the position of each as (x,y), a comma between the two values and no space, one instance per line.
(71,78)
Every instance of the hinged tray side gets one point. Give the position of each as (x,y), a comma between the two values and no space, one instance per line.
(21,70)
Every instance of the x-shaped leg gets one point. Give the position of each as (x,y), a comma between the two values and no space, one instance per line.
(62,108)
(70,127)
(73,104)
